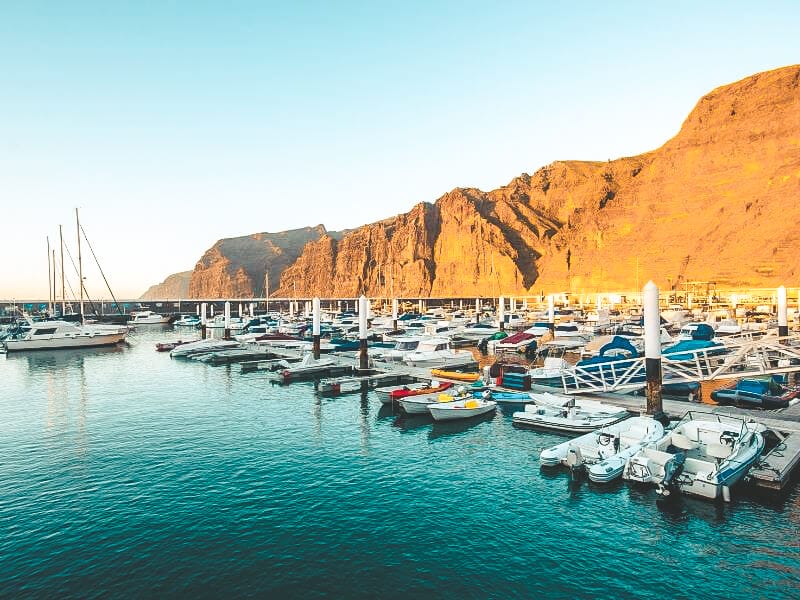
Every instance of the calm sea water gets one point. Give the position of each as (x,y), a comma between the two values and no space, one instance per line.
(126,473)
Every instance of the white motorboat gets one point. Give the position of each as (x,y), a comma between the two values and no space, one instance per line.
(606,450)
(404,345)
(478,331)
(567,330)
(704,455)
(461,409)
(436,352)
(57,335)
(572,415)
(147,317)
(385,393)
(187,321)
(418,405)
(308,366)
(203,346)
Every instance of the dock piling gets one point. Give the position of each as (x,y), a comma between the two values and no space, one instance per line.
(363,309)
(652,350)
(501,312)
(316,328)
(395,310)
(551,314)
(783,315)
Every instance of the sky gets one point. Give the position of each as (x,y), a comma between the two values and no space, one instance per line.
(172,124)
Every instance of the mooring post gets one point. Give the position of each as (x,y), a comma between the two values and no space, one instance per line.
(477,310)
(652,350)
(551,314)
(363,310)
(395,310)
(512,305)
(501,312)
(316,328)
(783,314)
(203,320)
(227,334)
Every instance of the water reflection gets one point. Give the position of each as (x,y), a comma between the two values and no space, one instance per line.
(47,360)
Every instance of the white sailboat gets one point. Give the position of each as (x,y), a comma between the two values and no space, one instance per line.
(62,335)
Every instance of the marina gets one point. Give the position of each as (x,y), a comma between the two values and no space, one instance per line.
(199,455)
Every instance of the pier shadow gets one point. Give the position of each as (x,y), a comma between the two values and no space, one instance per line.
(406,422)
(442,429)
(386,411)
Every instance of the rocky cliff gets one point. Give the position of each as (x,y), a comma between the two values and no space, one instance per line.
(236,267)
(173,287)
(720,201)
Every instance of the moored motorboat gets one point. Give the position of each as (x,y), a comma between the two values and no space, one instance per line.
(573,416)
(756,393)
(434,387)
(147,317)
(704,455)
(461,409)
(604,450)
(418,404)
(58,335)
(203,346)
(456,375)
(385,393)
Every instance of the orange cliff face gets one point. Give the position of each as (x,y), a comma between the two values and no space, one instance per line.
(720,201)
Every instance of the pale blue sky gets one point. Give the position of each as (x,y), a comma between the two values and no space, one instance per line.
(172,124)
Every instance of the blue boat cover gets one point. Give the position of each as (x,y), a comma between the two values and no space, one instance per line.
(685,350)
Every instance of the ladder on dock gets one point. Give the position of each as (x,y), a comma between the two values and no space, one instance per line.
(743,357)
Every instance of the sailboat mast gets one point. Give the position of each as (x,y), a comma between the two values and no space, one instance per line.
(80,263)
(63,294)
(54,283)
(266,288)
(49,280)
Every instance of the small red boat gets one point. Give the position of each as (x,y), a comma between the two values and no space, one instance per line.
(397,394)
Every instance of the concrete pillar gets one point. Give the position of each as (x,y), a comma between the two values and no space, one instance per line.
(363,310)
(512,305)
(501,312)
(689,301)
(551,313)
(652,349)
(203,320)
(461,304)
(420,308)
(783,314)
(291,309)
(315,331)
(395,311)
(241,310)
(477,310)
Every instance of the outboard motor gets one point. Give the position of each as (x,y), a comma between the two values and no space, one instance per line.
(574,459)
(672,470)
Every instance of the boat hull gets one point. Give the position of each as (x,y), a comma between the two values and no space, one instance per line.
(82,341)
(562,425)
(441,413)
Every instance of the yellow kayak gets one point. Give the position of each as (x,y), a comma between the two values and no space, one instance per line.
(455,375)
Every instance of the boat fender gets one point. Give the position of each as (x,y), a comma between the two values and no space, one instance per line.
(287,374)
(726,493)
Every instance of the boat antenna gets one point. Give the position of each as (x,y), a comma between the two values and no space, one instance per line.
(88,243)
(80,264)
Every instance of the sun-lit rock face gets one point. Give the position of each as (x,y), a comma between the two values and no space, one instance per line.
(718,202)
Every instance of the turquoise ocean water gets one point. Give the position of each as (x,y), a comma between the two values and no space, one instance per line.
(126,473)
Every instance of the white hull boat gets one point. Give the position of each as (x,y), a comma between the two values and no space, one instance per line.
(418,405)
(58,335)
(571,416)
(385,393)
(606,450)
(704,455)
(461,409)
(146,317)
(203,346)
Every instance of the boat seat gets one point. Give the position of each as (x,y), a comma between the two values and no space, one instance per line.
(681,441)
(718,451)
